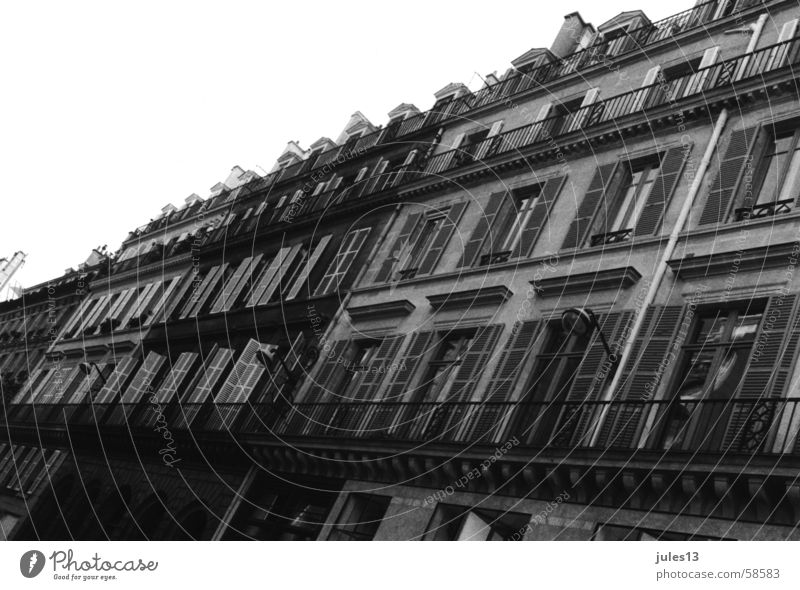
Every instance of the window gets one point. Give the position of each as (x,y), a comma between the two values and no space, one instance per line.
(554,371)
(777,176)
(442,368)
(516,217)
(462,523)
(360,518)
(419,244)
(610,532)
(713,362)
(343,261)
(362,353)
(619,215)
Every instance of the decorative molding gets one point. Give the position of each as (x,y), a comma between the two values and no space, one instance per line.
(722,263)
(389,309)
(474,297)
(615,278)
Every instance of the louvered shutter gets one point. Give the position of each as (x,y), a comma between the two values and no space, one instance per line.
(210,290)
(178,378)
(504,379)
(392,256)
(383,363)
(210,276)
(538,122)
(538,217)
(581,226)
(223,301)
(698,81)
(176,300)
(271,268)
(329,373)
(140,385)
(442,238)
(340,266)
(117,381)
(580,117)
(158,314)
(494,130)
(147,302)
(485,224)
(238,387)
(50,469)
(640,101)
(768,371)
(731,169)
(590,379)
(779,55)
(277,280)
(642,376)
(308,267)
(210,375)
(661,192)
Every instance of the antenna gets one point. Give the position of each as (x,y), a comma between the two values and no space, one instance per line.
(9,267)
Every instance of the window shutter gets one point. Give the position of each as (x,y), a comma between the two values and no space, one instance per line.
(166,296)
(340,265)
(328,374)
(538,217)
(361,174)
(778,55)
(210,289)
(240,373)
(211,276)
(544,113)
(643,374)
(266,277)
(494,130)
(767,375)
(223,301)
(457,141)
(697,81)
(650,78)
(116,381)
(308,267)
(178,378)
(384,359)
(590,379)
(504,379)
(140,384)
(731,169)
(392,256)
(399,387)
(581,225)
(662,190)
(582,114)
(277,279)
(211,373)
(442,238)
(485,223)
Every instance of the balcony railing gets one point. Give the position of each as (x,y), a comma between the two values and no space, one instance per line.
(762,426)
(612,237)
(545,131)
(764,210)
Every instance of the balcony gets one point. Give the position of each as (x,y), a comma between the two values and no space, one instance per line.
(612,237)
(764,210)
(713,426)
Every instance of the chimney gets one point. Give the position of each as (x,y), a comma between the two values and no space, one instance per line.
(569,37)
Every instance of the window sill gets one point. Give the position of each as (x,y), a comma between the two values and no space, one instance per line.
(736,226)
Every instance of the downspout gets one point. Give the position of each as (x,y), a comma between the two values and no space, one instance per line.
(661,269)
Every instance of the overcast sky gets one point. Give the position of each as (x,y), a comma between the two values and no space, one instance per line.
(110,112)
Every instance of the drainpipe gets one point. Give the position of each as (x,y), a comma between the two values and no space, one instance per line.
(668,251)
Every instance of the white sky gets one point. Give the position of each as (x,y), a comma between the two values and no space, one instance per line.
(110,111)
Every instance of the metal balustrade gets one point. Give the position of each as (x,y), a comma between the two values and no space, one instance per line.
(548,130)
(760,426)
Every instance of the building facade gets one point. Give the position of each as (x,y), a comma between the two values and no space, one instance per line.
(561,306)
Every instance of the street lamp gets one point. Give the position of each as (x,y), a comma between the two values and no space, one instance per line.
(583,322)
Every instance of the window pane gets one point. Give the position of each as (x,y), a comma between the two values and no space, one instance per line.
(746,327)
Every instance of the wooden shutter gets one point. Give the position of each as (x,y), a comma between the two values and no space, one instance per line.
(328,374)
(778,55)
(590,379)
(277,280)
(211,288)
(117,380)
(340,266)
(505,376)
(650,78)
(210,375)
(442,238)
(143,380)
(223,301)
(661,192)
(210,277)
(731,168)
(399,387)
(538,217)
(308,267)
(175,300)
(537,126)
(166,298)
(383,363)
(767,375)
(485,223)
(178,378)
(581,226)
(494,130)
(392,256)
(267,276)
(697,82)
(642,375)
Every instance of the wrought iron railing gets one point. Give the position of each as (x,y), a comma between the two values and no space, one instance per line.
(764,426)
(612,237)
(764,210)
